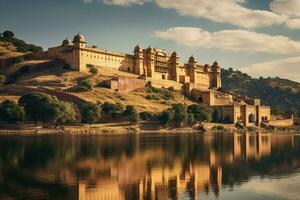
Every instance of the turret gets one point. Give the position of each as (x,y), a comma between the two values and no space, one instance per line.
(66,42)
(79,40)
(139,61)
(216,72)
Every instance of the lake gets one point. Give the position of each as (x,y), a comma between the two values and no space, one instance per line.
(151,167)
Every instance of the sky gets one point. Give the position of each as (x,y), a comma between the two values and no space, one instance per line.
(259,37)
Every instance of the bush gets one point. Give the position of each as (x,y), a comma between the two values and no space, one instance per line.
(11,111)
(2,80)
(8,35)
(112,109)
(93,70)
(91,113)
(146,115)
(17,60)
(152,97)
(86,85)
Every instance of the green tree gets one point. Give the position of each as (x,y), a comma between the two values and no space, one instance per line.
(46,108)
(2,80)
(112,109)
(200,112)
(146,115)
(8,35)
(91,113)
(180,114)
(93,70)
(131,114)
(217,114)
(166,117)
(11,111)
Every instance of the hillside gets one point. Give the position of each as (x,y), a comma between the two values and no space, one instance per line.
(281,94)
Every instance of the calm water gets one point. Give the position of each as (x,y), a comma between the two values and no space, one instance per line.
(247,167)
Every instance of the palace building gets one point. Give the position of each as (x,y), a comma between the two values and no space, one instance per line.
(200,82)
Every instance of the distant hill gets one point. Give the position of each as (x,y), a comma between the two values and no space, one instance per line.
(281,94)
(7,38)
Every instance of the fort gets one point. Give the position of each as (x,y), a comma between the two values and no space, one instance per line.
(199,82)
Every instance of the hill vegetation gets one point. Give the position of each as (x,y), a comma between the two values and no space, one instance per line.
(281,94)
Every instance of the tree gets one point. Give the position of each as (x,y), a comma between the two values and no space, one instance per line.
(112,109)
(200,112)
(67,113)
(131,114)
(11,111)
(93,70)
(2,80)
(166,117)
(146,115)
(91,113)
(46,108)
(8,35)
(180,114)
(217,115)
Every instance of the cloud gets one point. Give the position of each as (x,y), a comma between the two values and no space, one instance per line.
(230,40)
(118,2)
(224,11)
(286,7)
(285,68)
(293,23)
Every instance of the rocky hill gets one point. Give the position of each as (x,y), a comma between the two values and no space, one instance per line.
(281,94)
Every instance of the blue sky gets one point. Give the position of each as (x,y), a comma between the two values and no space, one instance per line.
(260,37)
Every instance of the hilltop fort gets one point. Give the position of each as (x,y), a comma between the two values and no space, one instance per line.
(199,82)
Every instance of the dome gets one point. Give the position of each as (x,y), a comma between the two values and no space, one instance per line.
(174,53)
(216,64)
(192,59)
(150,50)
(79,38)
(66,42)
(137,49)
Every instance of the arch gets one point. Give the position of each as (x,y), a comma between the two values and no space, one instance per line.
(251,118)
(200,99)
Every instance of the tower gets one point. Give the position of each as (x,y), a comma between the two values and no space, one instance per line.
(139,61)
(150,62)
(174,63)
(216,75)
(191,68)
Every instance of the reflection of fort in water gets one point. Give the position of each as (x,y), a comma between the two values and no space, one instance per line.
(153,174)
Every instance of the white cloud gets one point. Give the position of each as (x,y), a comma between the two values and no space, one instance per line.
(285,68)
(286,7)
(119,2)
(224,11)
(293,23)
(231,40)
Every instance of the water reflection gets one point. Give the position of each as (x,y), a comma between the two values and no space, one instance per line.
(141,167)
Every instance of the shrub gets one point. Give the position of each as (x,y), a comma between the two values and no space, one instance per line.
(19,73)
(8,35)
(152,97)
(11,111)
(91,113)
(2,80)
(93,70)
(17,60)
(112,109)
(146,115)
(86,85)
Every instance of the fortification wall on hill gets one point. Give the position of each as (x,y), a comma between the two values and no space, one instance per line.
(282,122)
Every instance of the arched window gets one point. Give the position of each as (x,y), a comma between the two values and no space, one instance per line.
(251,118)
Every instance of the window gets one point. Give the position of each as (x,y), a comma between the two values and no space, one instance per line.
(163,77)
